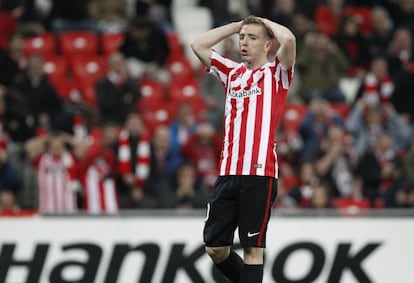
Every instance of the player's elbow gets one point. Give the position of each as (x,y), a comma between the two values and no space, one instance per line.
(290,41)
(196,46)
(201,51)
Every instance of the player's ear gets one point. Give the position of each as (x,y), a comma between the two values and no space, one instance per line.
(268,45)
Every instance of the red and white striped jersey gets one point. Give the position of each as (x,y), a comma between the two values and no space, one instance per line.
(100,189)
(57,183)
(254,105)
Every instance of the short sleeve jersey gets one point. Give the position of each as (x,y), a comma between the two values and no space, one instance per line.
(254,105)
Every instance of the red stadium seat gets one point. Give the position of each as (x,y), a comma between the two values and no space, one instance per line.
(162,115)
(152,95)
(111,42)
(351,204)
(180,69)
(182,92)
(176,46)
(78,43)
(179,91)
(56,67)
(88,69)
(292,117)
(66,89)
(43,44)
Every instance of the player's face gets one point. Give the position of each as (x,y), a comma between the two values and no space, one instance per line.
(253,43)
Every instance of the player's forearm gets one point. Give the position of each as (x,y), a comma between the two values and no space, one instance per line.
(203,44)
(214,36)
(286,39)
(281,33)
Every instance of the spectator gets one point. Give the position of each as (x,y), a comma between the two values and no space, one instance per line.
(203,149)
(14,124)
(377,85)
(308,181)
(308,8)
(110,15)
(221,12)
(335,162)
(290,145)
(158,11)
(321,198)
(282,12)
(31,95)
(376,168)
(287,197)
(213,94)
(353,44)
(368,123)
(134,157)
(146,48)
(400,196)
(301,25)
(162,172)
(117,93)
(8,204)
(402,12)
(408,161)
(400,49)
(9,177)
(320,65)
(9,17)
(57,173)
(315,125)
(67,15)
(183,126)
(397,180)
(382,32)
(31,21)
(100,194)
(12,61)
(188,193)
(402,97)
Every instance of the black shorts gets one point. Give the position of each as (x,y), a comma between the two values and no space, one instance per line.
(242,202)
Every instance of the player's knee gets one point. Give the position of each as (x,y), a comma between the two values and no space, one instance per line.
(218,254)
(253,255)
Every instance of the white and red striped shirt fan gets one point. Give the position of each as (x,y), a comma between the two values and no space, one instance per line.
(101,196)
(57,183)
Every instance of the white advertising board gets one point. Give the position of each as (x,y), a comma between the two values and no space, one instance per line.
(170,250)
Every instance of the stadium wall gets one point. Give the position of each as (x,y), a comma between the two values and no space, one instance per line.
(152,249)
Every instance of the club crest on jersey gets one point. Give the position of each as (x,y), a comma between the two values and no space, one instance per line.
(243,93)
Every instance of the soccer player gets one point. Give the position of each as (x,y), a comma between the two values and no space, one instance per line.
(247,184)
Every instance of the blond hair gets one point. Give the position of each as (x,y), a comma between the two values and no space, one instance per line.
(253,20)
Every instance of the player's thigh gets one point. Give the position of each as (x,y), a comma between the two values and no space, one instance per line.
(257,196)
(222,212)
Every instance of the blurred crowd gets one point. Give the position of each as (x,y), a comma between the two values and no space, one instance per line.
(102,110)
